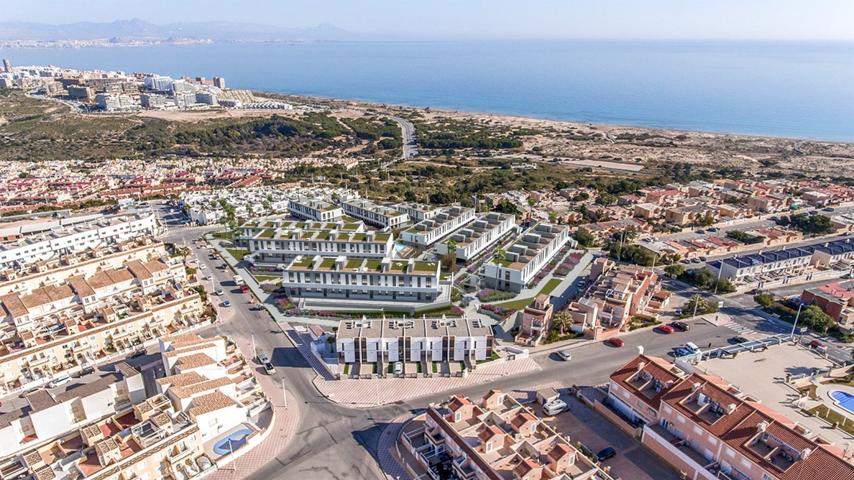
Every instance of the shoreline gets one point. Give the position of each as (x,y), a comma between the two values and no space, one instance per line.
(366,103)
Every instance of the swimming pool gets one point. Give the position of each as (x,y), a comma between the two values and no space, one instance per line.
(232,442)
(844,400)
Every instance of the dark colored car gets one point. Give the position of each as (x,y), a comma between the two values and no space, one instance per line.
(738,339)
(616,342)
(680,326)
(666,329)
(606,453)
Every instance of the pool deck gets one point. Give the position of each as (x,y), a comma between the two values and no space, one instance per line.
(209,445)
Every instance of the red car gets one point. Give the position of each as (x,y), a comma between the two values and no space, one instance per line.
(667,329)
(616,342)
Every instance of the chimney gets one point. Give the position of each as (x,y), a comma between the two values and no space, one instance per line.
(730,408)
(696,386)
(805,453)
(763,425)
(640,366)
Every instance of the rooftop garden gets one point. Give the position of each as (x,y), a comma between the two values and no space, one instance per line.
(302,262)
(354,263)
(372,264)
(267,233)
(327,263)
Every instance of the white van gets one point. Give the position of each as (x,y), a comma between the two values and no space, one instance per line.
(691,346)
(59,381)
(554,407)
(398,368)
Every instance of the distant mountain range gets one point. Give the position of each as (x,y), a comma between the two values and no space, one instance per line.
(136,29)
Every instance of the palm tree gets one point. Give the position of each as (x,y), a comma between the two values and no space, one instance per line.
(498,257)
(561,320)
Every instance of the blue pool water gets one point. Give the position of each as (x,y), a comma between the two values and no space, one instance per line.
(236,439)
(844,400)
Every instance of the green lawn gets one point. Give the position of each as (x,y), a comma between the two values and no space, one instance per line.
(267,278)
(237,253)
(521,303)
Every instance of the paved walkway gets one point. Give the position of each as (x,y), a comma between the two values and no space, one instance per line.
(381,391)
(286,420)
(387,458)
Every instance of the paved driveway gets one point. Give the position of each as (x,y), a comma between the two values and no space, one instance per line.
(633,461)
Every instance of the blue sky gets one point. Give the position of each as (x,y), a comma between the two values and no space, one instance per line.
(612,19)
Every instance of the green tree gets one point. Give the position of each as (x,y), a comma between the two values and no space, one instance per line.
(584,237)
(675,270)
(498,257)
(764,299)
(815,318)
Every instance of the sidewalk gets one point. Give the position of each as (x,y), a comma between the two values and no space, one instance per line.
(375,392)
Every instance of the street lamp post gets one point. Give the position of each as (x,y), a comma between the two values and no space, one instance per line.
(796,319)
(284,393)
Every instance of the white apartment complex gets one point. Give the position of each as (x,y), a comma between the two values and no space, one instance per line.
(207,207)
(416,340)
(285,244)
(54,240)
(525,257)
(418,211)
(256,226)
(309,208)
(372,213)
(431,230)
(362,279)
(475,237)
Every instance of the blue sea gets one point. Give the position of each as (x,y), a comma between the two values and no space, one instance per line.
(803,90)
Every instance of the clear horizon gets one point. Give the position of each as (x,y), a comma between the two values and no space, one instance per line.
(772,20)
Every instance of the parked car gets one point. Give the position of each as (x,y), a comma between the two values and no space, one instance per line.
(226,303)
(681,352)
(398,368)
(616,342)
(680,326)
(137,353)
(269,369)
(219,292)
(692,347)
(59,380)
(665,329)
(739,339)
(816,345)
(828,209)
(262,357)
(554,407)
(606,453)
(565,355)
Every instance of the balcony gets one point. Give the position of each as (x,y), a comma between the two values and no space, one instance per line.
(682,449)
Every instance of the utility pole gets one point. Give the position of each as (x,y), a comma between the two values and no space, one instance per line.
(254,351)
(720,270)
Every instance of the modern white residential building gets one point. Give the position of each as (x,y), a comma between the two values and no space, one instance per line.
(525,257)
(431,230)
(315,209)
(382,216)
(285,244)
(418,211)
(270,225)
(362,279)
(417,340)
(475,237)
(57,238)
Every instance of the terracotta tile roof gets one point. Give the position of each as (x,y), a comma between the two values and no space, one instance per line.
(210,403)
(657,367)
(194,360)
(196,388)
(182,379)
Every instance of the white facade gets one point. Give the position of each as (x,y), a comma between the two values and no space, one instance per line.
(302,206)
(527,256)
(375,214)
(431,230)
(475,237)
(286,244)
(76,238)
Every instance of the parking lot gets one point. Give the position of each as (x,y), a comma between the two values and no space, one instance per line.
(633,461)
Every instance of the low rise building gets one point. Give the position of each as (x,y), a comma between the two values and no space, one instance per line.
(496,438)
(45,240)
(318,210)
(363,279)
(267,227)
(431,230)
(418,211)
(473,239)
(526,256)
(536,319)
(616,295)
(285,244)
(787,262)
(372,213)
(709,429)
(420,342)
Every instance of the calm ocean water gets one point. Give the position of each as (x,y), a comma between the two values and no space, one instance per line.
(793,90)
